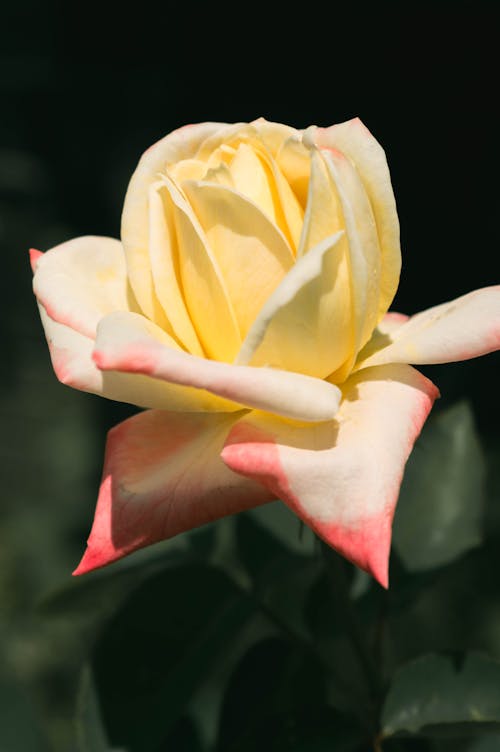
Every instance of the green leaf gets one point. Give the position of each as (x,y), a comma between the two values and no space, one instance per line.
(438,694)
(281,578)
(86,603)
(91,735)
(19,727)
(441,504)
(160,646)
(490,743)
(277,693)
(285,527)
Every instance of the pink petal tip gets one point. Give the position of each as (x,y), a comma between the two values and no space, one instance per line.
(34,256)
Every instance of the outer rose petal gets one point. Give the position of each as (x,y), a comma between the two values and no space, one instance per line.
(381,336)
(342,477)
(464,328)
(354,140)
(163,475)
(178,145)
(71,356)
(34,257)
(82,280)
(128,342)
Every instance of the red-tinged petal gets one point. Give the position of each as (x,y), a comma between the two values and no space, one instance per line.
(71,356)
(128,342)
(464,328)
(162,476)
(34,256)
(342,477)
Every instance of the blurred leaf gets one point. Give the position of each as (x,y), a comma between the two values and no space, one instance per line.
(440,509)
(490,743)
(86,602)
(319,729)
(160,645)
(285,526)
(91,735)
(438,694)
(278,693)
(19,728)
(282,579)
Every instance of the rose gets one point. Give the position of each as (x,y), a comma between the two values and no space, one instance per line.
(246,307)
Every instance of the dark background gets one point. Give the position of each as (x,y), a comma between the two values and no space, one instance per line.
(86,87)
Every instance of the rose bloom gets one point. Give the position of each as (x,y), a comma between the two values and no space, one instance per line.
(246,307)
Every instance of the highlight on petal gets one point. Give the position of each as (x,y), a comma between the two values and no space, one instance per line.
(163,475)
(71,356)
(305,325)
(82,280)
(179,145)
(464,328)
(342,477)
(128,342)
(355,141)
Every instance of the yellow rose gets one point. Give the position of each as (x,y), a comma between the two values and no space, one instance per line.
(246,304)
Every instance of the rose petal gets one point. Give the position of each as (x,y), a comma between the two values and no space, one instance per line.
(464,328)
(252,254)
(205,292)
(381,336)
(342,477)
(130,343)
(80,281)
(71,355)
(305,325)
(164,255)
(162,476)
(294,161)
(364,250)
(178,145)
(353,139)
(34,257)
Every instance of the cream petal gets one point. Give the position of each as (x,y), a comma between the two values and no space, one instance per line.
(323,215)
(164,254)
(251,253)
(132,344)
(353,139)
(342,477)
(179,145)
(163,475)
(464,328)
(364,250)
(80,281)
(205,292)
(71,356)
(305,325)
(249,178)
(293,159)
